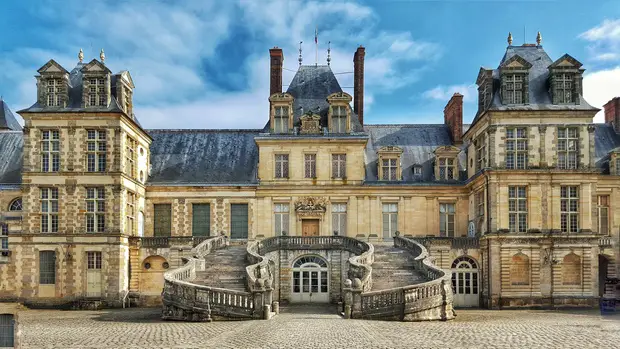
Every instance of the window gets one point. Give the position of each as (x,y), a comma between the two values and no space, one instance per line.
(130,157)
(568,140)
(281,169)
(603,214)
(389,169)
(480,154)
(563,88)
(479,201)
(4,237)
(569,208)
(310,165)
(130,213)
(446,169)
(520,270)
(54,92)
(446,219)
(571,269)
(127,98)
(280,120)
(95,210)
(281,219)
(96,151)
(339,165)
(50,151)
(339,119)
(417,171)
(201,220)
(517,209)
(16,205)
(339,219)
(49,210)
(618,167)
(47,267)
(390,220)
(512,86)
(96,93)
(239,221)
(162,216)
(93,260)
(516,148)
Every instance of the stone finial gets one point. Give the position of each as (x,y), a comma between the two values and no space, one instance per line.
(348,283)
(509,39)
(357,283)
(81,55)
(538,39)
(300,59)
(102,56)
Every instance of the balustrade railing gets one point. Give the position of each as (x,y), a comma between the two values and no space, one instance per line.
(155,241)
(605,241)
(463,242)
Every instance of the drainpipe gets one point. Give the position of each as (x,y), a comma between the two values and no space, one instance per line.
(489,298)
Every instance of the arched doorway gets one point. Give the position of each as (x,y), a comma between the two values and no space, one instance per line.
(310,280)
(465,282)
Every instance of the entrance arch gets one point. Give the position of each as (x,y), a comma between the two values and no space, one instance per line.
(310,280)
(465,282)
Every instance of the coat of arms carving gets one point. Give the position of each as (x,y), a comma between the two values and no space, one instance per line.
(310,124)
(310,206)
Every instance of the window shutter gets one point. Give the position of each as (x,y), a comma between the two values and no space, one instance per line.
(162,226)
(201,220)
(239,221)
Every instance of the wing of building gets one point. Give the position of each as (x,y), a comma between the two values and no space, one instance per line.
(519,204)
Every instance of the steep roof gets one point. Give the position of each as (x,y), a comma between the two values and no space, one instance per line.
(605,140)
(203,157)
(310,87)
(7,119)
(11,156)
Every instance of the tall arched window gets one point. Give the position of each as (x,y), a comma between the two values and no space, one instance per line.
(571,269)
(16,205)
(520,270)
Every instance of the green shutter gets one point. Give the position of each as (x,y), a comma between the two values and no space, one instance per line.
(201,220)
(162,218)
(239,221)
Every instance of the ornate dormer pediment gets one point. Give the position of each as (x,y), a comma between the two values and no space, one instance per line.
(310,206)
(447,149)
(516,62)
(310,123)
(281,97)
(127,78)
(95,66)
(566,62)
(52,67)
(339,97)
(483,75)
(390,149)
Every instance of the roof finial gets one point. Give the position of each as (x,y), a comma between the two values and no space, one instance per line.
(300,59)
(509,39)
(81,55)
(102,56)
(329,50)
(538,39)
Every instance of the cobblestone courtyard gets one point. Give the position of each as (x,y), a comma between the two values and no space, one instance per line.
(300,327)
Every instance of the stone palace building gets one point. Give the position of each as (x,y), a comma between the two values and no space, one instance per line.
(519,205)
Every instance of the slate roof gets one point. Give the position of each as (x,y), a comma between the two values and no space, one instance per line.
(11,156)
(206,157)
(417,141)
(7,119)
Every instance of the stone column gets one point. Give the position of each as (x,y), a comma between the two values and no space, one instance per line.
(591,163)
(542,130)
(491,130)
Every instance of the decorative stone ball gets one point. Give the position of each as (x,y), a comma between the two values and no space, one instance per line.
(259,283)
(268,283)
(347,283)
(357,283)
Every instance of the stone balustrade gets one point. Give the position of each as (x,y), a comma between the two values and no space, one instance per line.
(605,241)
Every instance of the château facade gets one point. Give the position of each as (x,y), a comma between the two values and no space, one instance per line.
(519,205)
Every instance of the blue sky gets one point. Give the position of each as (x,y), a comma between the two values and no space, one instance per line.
(204,64)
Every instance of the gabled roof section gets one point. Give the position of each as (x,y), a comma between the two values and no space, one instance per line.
(52,67)
(11,156)
(127,77)
(483,74)
(95,66)
(566,61)
(517,62)
(7,119)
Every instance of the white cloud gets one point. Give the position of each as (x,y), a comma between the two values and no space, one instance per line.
(444,93)
(604,40)
(601,86)
(608,30)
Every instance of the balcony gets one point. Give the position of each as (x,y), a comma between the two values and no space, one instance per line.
(168,241)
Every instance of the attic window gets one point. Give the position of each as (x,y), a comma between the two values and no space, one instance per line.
(389,163)
(280,119)
(96,93)
(513,91)
(563,88)
(54,92)
(417,171)
(339,119)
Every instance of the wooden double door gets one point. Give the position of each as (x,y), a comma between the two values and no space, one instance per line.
(310,227)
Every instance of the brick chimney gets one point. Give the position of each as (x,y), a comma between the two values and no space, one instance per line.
(453,117)
(275,79)
(358,83)
(612,113)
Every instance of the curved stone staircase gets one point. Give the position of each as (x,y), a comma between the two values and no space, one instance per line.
(394,267)
(224,268)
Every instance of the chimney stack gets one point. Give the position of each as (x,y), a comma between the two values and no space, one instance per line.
(453,117)
(275,79)
(358,83)
(612,113)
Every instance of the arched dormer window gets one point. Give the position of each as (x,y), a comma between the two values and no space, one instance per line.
(281,115)
(339,115)
(16,205)
(389,163)
(514,75)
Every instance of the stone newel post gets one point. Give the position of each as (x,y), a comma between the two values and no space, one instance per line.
(348,298)
(356,308)
(258,293)
(267,299)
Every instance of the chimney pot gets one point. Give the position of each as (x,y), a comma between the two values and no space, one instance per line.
(276,60)
(612,113)
(453,117)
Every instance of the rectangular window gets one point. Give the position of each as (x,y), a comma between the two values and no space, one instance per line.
(96,93)
(339,165)
(517,209)
(569,208)
(130,213)
(603,214)
(446,219)
(201,220)
(479,198)
(563,88)
(389,169)
(96,151)
(446,169)
(163,222)
(310,165)
(480,154)
(47,267)
(512,86)
(339,119)
(49,210)
(339,219)
(93,260)
(50,151)
(390,220)
(618,167)
(130,157)
(95,210)
(281,219)
(239,221)
(280,120)
(568,147)
(281,169)
(4,238)
(516,148)
(54,91)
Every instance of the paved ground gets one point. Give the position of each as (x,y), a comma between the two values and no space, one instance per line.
(300,327)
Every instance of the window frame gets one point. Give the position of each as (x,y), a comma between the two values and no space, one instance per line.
(47,267)
(446,167)
(339,166)
(339,219)
(447,219)
(49,207)
(97,96)
(517,209)
(568,214)
(564,151)
(560,88)
(94,260)
(281,218)
(390,215)
(310,165)
(339,117)
(95,209)
(509,95)
(603,205)
(130,212)
(201,227)
(281,166)
(131,146)
(16,205)
(391,165)
(159,229)
(54,92)
(97,156)
(281,116)
(50,150)
(517,150)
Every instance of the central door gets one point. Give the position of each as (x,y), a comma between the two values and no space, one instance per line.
(465,282)
(310,280)
(310,227)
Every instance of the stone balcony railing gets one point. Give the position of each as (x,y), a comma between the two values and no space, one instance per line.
(168,241)
(455,243)
(605,241)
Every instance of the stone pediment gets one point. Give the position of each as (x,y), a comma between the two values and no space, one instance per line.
(483,74)
(52,67)
(391,149)
(127,78)
(310,206)
(447,149)
(516,62)
(310,123)
(566,61)
(95,66)
(339,97)
(281,97)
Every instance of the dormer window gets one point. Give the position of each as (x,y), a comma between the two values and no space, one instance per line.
(389,163)
(514,75)
(512,88)
(563,88)
(96,93)
(280,119)
(446,163)
(485,88)
(339,112)
(417,172)
(565,76)
(54,90)
(281,116)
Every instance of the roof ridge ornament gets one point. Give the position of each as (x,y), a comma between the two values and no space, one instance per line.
(102,56)
(300,59)
(509,39)
(81,55)
(538,39)
(329,50)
